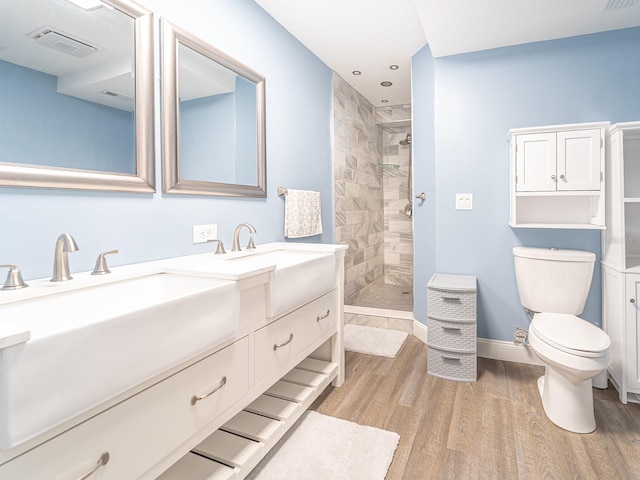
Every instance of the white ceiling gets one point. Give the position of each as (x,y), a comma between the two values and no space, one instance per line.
(371,35)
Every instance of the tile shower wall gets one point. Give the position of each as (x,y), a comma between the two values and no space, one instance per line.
(358,187)
(398,231)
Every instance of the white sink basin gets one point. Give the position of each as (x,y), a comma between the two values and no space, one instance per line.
(89,345)
(299,275)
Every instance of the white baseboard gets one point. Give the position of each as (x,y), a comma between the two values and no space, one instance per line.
(420,331)
(507,351)
(495,349)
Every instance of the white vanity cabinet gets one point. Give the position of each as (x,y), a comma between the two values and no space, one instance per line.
(557,176)
(621,258)
(272,366)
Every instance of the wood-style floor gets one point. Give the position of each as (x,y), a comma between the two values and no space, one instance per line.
(494,428)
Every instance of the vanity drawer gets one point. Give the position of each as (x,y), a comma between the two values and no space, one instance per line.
(143,429)
(451,304)
(279,342)
(460,336)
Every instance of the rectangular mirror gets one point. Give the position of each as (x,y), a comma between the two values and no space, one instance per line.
(76,96)
(213,120)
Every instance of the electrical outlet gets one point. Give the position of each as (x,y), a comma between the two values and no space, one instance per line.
(202,233)
(464,201)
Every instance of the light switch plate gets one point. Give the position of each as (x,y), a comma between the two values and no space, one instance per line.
(464,201)
(202,233)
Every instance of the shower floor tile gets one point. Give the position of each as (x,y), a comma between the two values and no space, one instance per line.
(390,297)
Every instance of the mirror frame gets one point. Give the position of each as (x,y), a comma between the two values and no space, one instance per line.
(171,181)
(16,175)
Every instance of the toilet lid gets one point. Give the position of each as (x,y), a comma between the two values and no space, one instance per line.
(571,334)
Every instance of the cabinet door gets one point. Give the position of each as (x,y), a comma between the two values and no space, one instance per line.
(536,162)
(579,160)
(633,333)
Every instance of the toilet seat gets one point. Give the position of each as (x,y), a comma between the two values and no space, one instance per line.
(571,334)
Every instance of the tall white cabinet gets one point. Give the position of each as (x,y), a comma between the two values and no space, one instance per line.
(557,176)
(621,258)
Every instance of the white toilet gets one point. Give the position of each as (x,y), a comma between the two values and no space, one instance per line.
(555,284)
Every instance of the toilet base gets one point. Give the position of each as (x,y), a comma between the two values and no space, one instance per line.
(568,405)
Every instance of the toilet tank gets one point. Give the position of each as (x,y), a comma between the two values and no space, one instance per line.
(552,280)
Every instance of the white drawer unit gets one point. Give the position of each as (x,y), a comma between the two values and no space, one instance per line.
(452,327)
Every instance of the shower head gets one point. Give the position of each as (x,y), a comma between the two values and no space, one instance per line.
(406,140)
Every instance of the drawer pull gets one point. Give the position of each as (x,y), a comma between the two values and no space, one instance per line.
(451,299)
(197,398)
(450,359)
(455,329)
(286,342)
(103,460)
(322,317)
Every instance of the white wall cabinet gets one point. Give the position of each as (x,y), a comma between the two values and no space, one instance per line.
(621,258)
(557,175)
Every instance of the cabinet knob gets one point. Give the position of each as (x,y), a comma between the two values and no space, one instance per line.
(553,177)
(561,177)
(632,300)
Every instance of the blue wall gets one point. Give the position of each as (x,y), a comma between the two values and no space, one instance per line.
(40,126)
(478,98)
(153,226)
(424,177)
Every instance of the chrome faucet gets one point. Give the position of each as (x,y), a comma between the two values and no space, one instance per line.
(236,237)
(64,244)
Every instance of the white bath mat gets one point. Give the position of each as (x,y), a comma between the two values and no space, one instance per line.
(327,448)
(373,341)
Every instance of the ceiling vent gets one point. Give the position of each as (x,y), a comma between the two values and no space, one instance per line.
(617,4)
(117,95)
(62,42)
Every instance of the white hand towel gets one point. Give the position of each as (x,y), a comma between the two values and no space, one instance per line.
(302,214)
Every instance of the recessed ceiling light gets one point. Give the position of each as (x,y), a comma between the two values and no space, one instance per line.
(386,84)
(384,101)
(393,67)
(357,72)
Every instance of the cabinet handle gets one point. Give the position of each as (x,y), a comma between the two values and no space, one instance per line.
(553,177)
(286,342)
(197,398)
(632,300)
(451,299)
(103,460)
(457,329)
(450,359)
(322,317)
(561,177)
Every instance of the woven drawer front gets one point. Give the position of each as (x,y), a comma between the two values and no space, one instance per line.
(452,335)
(441,303)
(452,366)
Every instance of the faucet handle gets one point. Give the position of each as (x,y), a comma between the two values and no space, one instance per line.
(251,245)
(101,267)
(14,278)
(220,249)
